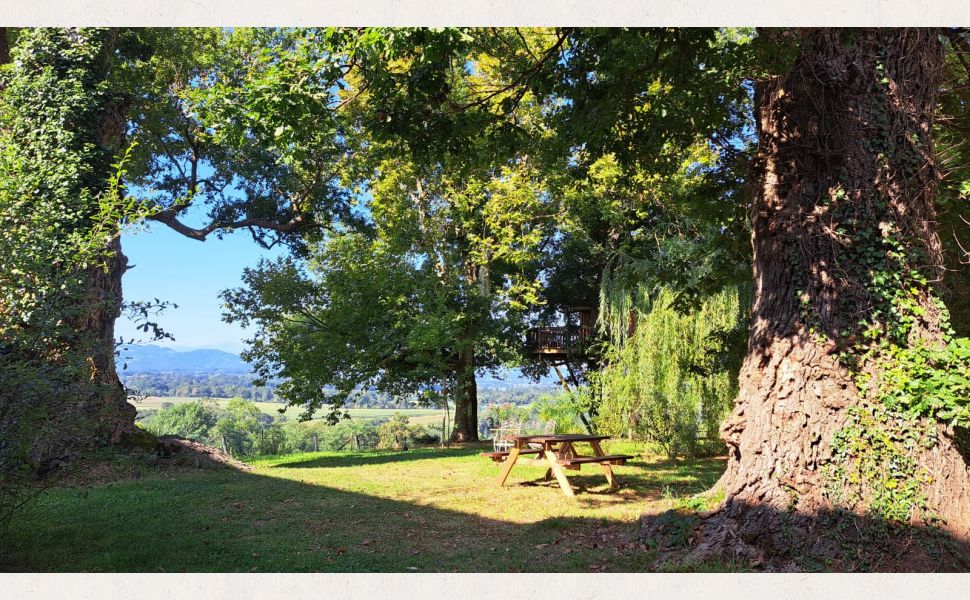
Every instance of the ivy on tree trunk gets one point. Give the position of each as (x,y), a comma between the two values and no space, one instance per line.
(845,256)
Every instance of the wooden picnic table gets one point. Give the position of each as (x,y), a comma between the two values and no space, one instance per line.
(558,453)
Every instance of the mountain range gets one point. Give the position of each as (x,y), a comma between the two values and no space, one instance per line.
(156,359)
(149,358)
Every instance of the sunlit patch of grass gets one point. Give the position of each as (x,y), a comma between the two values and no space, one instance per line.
(426,509)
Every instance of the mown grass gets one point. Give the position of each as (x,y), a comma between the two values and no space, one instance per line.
(421,416)
(423,510)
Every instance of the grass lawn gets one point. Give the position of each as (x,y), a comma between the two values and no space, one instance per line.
(421,510)
(420,416)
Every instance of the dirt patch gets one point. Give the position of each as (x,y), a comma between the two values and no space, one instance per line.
(185,452)
(169,456)
(828,541)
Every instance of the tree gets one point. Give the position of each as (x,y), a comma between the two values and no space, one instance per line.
(238,428)
(456,229)
(217,121)
(191,420)
(845,253)
(851,387)
(671,380)
(436,292)
(61,215)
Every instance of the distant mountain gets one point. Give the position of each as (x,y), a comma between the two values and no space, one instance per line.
(508,379)
(155,359)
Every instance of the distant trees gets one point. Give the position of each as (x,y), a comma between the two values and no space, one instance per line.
(193,420)
(240,428)
(215,385)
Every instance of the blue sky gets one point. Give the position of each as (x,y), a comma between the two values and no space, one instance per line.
(174,268)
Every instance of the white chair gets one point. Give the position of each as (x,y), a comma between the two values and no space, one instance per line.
(503,438)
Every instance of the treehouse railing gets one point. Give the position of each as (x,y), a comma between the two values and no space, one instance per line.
(557,339)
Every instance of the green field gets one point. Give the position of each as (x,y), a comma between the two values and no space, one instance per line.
(424,510)
(421,416)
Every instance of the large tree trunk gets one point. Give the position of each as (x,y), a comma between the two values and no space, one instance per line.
(845,147)
(4,46)
(466,399)
(107,405)
(92,406)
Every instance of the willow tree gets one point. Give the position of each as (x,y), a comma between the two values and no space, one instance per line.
(671,378)
(852,386)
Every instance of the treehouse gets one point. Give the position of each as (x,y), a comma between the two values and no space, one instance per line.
(565,346)
(563,343)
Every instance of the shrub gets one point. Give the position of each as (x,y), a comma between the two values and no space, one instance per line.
(497,414)
(193,420)
(399,434)
(563,409)
(238,428)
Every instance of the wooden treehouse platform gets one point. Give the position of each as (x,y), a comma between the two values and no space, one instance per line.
(565,342)
(557,343)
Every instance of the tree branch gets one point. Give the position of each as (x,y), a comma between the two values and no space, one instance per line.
(523,76)
(170,218)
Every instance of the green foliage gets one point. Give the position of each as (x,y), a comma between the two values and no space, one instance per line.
(437,282)
(59,181)
(348,434)
(399,434)
(908,382)
(874,463)
(506,412)
(563,409)
(244,430)
(212,385)
(239,427)
(924,381)
(61,165)
(192,420)
(664,383)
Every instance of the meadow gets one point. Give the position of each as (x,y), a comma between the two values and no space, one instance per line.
(427,509)
(418,416)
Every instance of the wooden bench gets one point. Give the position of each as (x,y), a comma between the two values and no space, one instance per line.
(501,456)
(607,459)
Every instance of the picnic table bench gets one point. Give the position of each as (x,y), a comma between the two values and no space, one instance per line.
(557,453)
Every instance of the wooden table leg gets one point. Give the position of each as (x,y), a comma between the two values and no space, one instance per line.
(509,462)
(607,469)
(559,473)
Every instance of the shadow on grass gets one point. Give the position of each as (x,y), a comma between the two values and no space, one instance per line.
(231,521)
(236,521)
(379,457)
(639,480)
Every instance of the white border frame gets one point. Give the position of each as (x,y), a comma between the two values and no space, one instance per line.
(498,13)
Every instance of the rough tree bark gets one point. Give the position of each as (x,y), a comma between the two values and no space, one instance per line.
(847,131)
(466,398)
(4,47)
(97,408)
(107,405)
